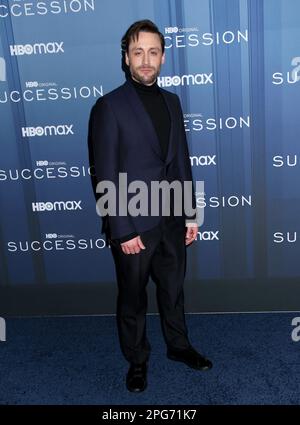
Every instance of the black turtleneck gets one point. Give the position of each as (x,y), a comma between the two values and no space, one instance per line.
(157,109)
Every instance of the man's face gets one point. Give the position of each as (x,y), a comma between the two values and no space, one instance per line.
(145,58)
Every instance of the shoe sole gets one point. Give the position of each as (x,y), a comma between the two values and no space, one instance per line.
(175,359)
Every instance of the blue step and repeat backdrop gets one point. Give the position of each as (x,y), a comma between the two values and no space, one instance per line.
(235,65)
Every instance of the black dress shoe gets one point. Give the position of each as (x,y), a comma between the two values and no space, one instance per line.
(136,379)
(190,357)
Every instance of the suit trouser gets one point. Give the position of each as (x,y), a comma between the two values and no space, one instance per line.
(164,259)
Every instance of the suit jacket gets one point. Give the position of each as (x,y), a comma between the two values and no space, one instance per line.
(124,140)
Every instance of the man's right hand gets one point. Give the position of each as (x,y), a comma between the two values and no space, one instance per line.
(133,246)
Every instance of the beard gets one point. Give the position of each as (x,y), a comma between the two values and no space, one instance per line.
(146,79)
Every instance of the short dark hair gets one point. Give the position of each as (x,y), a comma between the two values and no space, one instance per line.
(133,31)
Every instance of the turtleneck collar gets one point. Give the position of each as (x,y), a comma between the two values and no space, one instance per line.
(154,88)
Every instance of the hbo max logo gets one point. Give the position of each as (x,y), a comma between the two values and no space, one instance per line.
(48,130)
(37,49)
(191,79)
(56,206)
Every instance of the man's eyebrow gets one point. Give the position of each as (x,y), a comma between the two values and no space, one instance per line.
(150,48)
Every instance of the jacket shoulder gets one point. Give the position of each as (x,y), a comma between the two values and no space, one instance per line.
(110,97)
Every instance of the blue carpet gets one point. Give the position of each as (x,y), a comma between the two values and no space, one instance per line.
(77,360)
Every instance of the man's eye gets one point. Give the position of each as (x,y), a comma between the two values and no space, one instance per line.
(154,53)
(137,53)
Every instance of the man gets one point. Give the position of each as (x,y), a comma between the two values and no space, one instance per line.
(138,129)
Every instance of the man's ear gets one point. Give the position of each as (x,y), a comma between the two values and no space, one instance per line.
(163,58)
(126,59)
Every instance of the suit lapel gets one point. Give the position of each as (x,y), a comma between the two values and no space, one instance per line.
(173,128)
(146,122)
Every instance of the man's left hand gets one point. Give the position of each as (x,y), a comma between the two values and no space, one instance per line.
(191,233)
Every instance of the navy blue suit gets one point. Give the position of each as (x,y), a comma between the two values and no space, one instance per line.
(124,140)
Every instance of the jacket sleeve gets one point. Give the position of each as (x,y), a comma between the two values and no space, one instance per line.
(127,237)
(105,143)
(184,165)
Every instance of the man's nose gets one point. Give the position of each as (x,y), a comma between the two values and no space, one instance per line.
(146,59)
